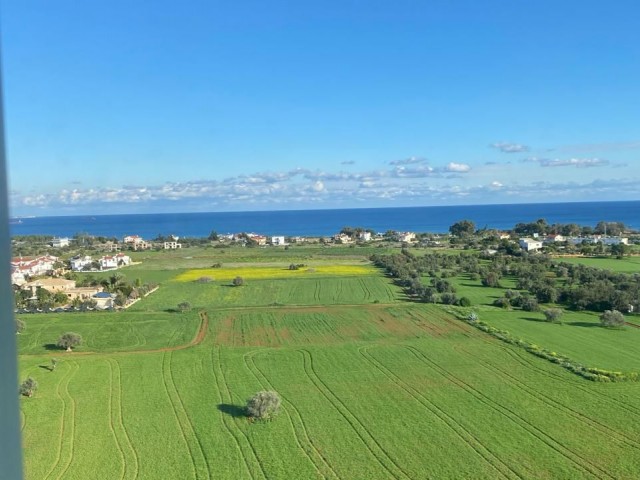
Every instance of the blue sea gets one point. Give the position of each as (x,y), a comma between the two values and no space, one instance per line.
(328,222)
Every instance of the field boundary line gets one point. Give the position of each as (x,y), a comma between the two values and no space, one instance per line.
(581,462)
(242,432)
(370,443)
(123,471)
(443,416)
(120,418)
(189,423)
(557,405)
(264,382)
(175,414)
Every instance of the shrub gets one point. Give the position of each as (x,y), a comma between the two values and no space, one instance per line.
(553,314)
(238,281)
(28,387)
(465,302)
(263,405)
(529,304)
(69,340)
(502,302)
(472,317)
(612,319)
(20,325)
(205,279)
(184,306)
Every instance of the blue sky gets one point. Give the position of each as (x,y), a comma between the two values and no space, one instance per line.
(126,107)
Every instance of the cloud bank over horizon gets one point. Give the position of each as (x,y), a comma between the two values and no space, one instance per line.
(411,181)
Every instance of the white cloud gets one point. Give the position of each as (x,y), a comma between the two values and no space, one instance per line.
(506,147)
(571,162)
(457,167)
(408,161)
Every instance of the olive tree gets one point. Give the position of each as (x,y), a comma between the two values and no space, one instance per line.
(553,314)
(238,281)
(28,387)
(612,319)
(263,405)
(69,340)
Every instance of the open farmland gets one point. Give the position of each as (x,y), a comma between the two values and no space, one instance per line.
(623,265)
(372,387)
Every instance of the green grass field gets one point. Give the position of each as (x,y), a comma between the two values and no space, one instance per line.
(623,265)
(372,387)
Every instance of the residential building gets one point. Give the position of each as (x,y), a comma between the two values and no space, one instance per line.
(405,237)
(104,300)
(60,242)
(80,262)
(364,236)
(279,240)
(114,261)
(530,244)
(172,245)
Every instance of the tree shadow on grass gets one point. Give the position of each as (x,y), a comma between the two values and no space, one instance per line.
(236,411)
(534,319)
(583,324)
(52,346)
(46,367)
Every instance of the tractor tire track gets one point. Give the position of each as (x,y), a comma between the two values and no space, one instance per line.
(463,433)
(120,420)
(183,434)
(224,422)
(582,463)
(247,441)
(550,402)
(123,469)
(187,421)
(359,429)
(72,433)
(324,469)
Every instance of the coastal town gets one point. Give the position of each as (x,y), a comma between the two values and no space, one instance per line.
(48,282)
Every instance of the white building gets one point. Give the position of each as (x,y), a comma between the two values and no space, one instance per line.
(114,261)
(173,245)
(405,237)
(80,262)
(530,244)
(279,240)
(364,236)
(60,242)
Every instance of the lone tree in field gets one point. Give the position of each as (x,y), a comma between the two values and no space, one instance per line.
(69,340)
(20,325)
(238,281)
(184,306)
(263,405)
(553,314)
(54,364)
(28,387)
(612,319)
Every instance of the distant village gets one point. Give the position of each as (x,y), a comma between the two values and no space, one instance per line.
(53,279)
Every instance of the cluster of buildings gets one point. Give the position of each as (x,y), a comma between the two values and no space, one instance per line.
(103,300)
(536,242)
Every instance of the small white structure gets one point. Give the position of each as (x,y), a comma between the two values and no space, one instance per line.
(136,241)
(279,240)
(60,242)
(364,236)
(405,237)
(78,263)
(109,262)
(614,241)
(172,245)
(530,244)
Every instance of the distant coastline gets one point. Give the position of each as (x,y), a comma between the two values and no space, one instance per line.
(327,222)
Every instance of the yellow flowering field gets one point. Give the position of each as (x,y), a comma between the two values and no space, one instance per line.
(266,273)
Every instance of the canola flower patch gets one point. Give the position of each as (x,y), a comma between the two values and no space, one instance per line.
(267,273)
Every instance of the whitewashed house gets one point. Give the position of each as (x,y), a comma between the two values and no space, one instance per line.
(530,244)
(60,242)
(80,262)
(364,236)
(278,240)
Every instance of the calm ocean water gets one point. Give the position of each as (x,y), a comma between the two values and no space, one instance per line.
(328,222)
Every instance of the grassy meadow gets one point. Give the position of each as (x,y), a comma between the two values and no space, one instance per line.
(373,386)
